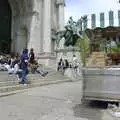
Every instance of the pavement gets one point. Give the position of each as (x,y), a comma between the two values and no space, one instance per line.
(52,102)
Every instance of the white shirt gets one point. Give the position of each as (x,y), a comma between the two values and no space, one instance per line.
(75,61)
(16,68)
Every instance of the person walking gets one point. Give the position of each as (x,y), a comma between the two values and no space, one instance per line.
(31,56)
(31,60)
(60,65)
(24,65)
(75,63)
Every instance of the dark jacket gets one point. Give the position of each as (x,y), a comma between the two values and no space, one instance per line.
(31,57)
(23,59)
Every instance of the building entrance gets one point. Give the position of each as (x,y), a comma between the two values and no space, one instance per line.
(5,26)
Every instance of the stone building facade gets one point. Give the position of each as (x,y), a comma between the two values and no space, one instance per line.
(34,24)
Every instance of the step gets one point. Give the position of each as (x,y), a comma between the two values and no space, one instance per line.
(34,84)
(4,76)
(8,83)
(31,79)
(48,77)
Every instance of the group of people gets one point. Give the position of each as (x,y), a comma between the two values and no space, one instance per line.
(64,64)
(20,64)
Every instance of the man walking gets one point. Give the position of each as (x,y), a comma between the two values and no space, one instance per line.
(24,65)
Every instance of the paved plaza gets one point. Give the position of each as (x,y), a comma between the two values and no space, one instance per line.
(53,102)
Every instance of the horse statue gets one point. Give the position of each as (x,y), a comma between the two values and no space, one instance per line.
(73,31)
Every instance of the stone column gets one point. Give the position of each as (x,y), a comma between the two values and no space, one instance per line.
(47,28)
(60,4)
(34,28)
(46,57)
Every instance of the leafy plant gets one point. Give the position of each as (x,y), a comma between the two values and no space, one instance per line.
(83,44)
(116,48)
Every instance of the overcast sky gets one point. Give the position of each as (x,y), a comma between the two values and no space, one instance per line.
(77,8)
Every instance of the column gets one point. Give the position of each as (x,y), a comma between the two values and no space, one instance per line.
(34,35)
(47,27)
(60,4)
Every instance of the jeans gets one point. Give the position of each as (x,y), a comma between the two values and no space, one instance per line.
(19,73)
(39,71)
(24,74)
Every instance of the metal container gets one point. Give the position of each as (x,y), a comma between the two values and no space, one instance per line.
(101,84)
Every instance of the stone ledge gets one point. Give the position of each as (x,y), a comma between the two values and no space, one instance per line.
(68,49)
(18,89)
(45,55)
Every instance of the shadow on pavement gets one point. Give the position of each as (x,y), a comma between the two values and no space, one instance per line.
(90,111)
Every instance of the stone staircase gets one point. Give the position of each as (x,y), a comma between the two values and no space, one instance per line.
(97,59)
(9,83)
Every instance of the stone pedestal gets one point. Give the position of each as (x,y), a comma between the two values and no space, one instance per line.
(47,59)
(67,53)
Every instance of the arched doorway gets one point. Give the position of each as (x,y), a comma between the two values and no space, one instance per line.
(5,26)
(22,15)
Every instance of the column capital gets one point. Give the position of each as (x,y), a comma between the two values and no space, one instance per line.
(60,2)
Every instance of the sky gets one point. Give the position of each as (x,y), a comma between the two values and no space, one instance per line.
(77,8)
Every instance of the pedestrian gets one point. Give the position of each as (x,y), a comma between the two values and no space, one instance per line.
(31,60)
(17,70)
(66,64)
(24,65)
(75,62)
(31,56)
(60,65)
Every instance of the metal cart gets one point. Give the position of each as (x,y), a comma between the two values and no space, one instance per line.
(101,84)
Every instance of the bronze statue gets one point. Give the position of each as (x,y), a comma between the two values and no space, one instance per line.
(73,31)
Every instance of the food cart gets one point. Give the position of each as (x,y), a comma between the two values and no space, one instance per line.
(101,73)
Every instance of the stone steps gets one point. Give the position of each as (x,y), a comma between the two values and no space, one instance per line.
(9,83)
(17,86)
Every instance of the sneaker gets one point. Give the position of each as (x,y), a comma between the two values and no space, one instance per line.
(45,73)
(25,84)
(21,82)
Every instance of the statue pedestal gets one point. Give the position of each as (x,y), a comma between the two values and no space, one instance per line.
(67,53)
(47,59)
